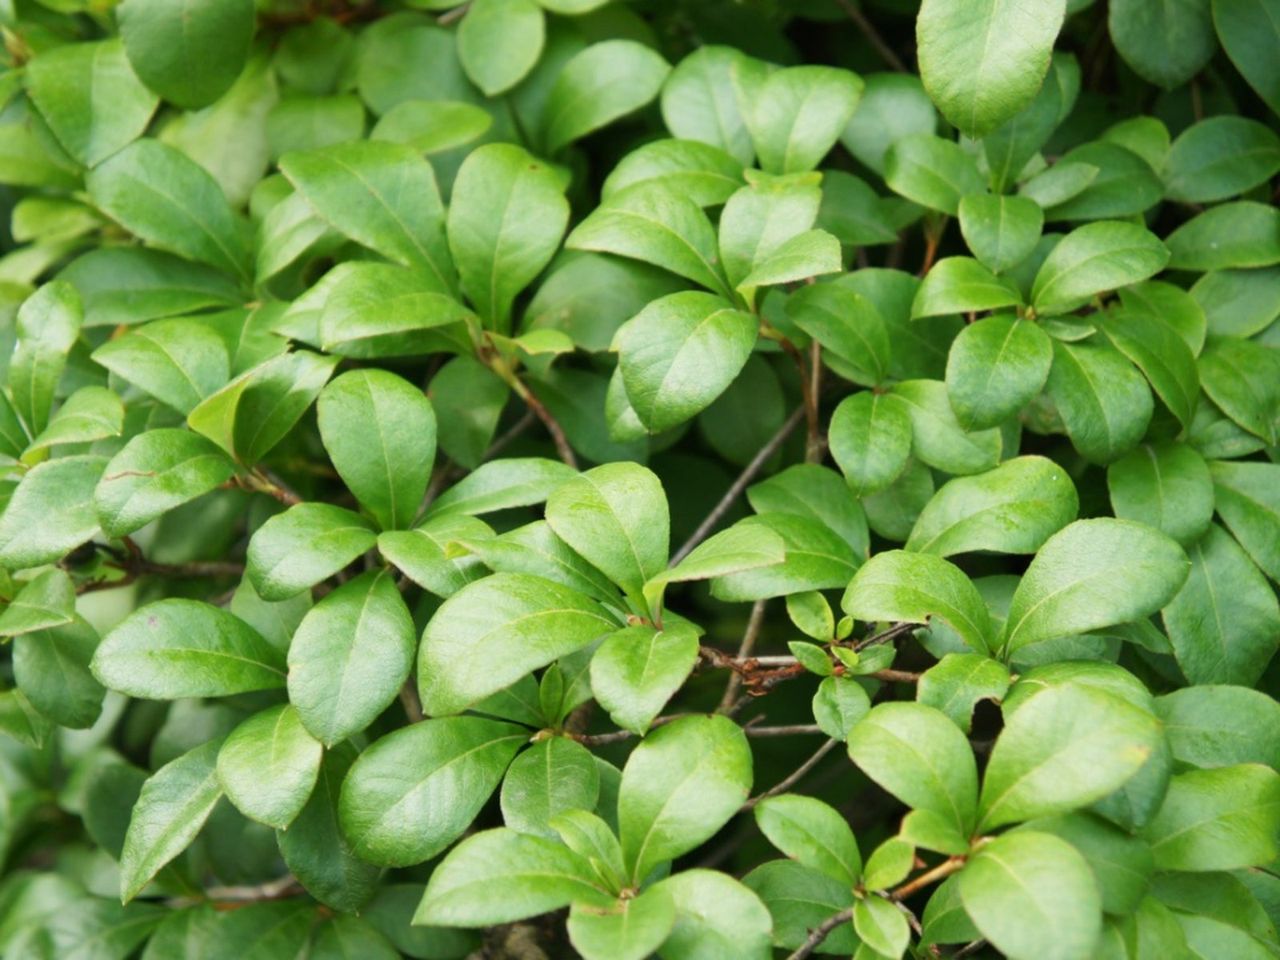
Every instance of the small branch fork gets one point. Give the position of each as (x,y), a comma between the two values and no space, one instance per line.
(134,565)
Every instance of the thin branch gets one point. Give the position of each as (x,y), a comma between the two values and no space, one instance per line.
(748,474)
(820,933)
(453,16)
(409,700)
(617,736)
(260,481)
(816,445)
(940,872)
(782,786)
(869,31)
(792,730)
(749,636)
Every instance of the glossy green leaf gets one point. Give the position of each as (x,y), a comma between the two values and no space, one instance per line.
(1231,235)
(1222,819)
(552,776)
(629,930)
(51,668)
(501,485)
(1219,158)
(717,917)
(637,670)
(1243,378)
(996,367)
(307,543)
(813,833)
(1220,725)
(91,413)
(870,438)
(47,325)
(1000,231)
(51,512)
(932,172)
(46,600)
(798,113)
(958,681)
(1167,45)
(1093,259)
(499,41)
(189,53)
(700,101)
(268,766)
(1247,498)
(597,86)
(1104,403)
(179,362)
(937,438)
(1157,349)
(1166,486)
(1248,30)
(704,172)
(847,325)
(962,285)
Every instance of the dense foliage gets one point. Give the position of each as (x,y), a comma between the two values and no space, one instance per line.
(721,480)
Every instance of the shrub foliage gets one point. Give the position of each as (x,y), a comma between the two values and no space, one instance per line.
(715,480)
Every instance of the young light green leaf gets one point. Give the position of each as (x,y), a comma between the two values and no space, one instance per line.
(637,670)
(1223,819)
(91,413)
(175,802)
(179,362)
(700,100)
(741,547)
(1014,508)
(157,471)
(1033,896)
(506,217)
(51,668)
(632,929)
(881,926)
(813,833)
(501,485)
(983,62)
(552,776)
(838,705)
(1219,725)
(47,325)
(46,600)
(913,587)
(494,631)
(932,172)
(1104,403)
(893,106)
(385,310)
(798,114)
(717,917)
(937,438)
(499,41)
(498,876)
(616,517)
(51,512)
(1224,623)
(680,353)
(870,437)
(816,558)
(958,681)
(413,792)
(380,432)
(1092,574)
(605,81)
(701,171)
(297,549)
(995,367)
(189,53)
(268,766)
(962,285)
(1000,231)
(1095,258)
(917,754)
(1063,749)
(679,787)
(175,648)
(802,257)
(350,656)
(431,126)
(1166,486)
(1161,354)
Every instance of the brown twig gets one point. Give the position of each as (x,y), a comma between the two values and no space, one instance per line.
(617,736)
(749,636)
(820,933)
(260,481)
(409,700)
(869,31)
(940,872)
(816,445)
(563,448)
(735,490)
(932,238)
(782,786)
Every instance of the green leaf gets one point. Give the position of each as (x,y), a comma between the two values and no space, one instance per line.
(51,668)
(1161,354)
(1219,158)
(499,41)
(72,85)
(189,53)
(381,195)
(1093,259)
(629,930)
(307,543)
(431,126)
(1240,234)
(47,325)
(350,656)
(1243,378)
(681,352)
(798,114)
(597,86)
(742,547)
(838,705)
(1217,726)
(996,367)
(175,802)
(268,766)
(1001,231)
(813,833)
(1166,486)
(637,670)
(1248,30)
(498,876)
(700,100)
(1238,303)
(1062,182)
(1014,508)
(679,787)
(156,471)
(179,362)
(802,257)
(650,222)
(1104,403)
(870,438)
(931,171)
(506,217)
(413,792)
(881,926)
(344,937)
(937,438)
(91,413)
(157,193)
(1167,45)
(983,62)
(1033,896)
(848,325)
(1224,623)
(176,648)
(1121,864)
(962,285)
(1063,749)
(717,918)
(893,106)
(816,558)
(616,517)
(1124,185)
(50,513)
(917,754)
(380,432)
(1222,819)
(800,899)
(385,310)
(46,600)
(468,398)
(701,171)
(958,681)
(1247,498)
(494,631)
(914,587)
(1093,574)
(552,776)
(501,485)
(889,864)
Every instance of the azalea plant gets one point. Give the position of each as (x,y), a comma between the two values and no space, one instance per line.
(707,480)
